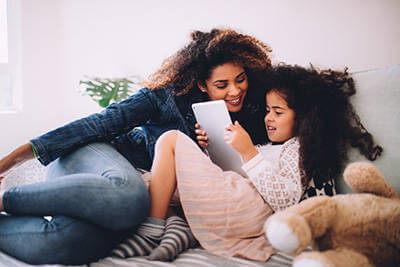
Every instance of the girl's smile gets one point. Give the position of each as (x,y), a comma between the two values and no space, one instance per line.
(279,120)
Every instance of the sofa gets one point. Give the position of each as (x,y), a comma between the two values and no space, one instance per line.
(378,104)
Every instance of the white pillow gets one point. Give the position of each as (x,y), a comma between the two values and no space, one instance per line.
(29,172)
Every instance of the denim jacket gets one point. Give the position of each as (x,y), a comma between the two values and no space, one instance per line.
(154,111)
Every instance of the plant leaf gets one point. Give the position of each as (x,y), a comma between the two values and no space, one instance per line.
(106,90)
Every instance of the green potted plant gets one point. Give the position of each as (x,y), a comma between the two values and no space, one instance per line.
(108,90)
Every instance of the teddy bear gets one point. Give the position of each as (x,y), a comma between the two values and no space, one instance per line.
(360,229)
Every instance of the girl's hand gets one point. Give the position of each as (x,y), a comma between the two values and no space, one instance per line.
(237,137)
(201,137)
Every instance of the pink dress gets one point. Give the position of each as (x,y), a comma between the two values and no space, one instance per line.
(224,210)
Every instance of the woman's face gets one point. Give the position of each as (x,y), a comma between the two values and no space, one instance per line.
(229,83)
(279,120)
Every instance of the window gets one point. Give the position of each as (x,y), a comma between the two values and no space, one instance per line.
(10,56)
(3,32)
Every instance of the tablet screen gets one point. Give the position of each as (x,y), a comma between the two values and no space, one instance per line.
(213,117)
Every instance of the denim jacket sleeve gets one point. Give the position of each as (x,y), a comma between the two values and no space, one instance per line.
(116,119)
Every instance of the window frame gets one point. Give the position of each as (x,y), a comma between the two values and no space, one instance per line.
(13,67)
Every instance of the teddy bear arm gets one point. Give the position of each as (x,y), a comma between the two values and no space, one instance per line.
(292,230)
(340,257)
(319,212)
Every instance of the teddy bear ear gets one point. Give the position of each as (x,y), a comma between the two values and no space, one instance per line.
(364,177)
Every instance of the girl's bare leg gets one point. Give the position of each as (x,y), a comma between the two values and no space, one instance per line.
(163,178)
(178,236)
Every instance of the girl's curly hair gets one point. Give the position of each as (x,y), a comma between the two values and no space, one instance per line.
(325,120)
(207,50)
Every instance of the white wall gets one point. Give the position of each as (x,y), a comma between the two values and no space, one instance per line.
(64,40)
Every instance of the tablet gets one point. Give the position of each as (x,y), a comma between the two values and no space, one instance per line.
(213,117)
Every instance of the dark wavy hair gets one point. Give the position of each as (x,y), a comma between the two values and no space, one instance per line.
(325,120)
(206,51)
(194,63)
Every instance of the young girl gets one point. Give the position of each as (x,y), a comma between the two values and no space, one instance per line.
(310,123)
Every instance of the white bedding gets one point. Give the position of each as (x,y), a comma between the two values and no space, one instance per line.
(192,257)
(32,171)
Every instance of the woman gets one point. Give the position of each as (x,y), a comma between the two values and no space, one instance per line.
(93,191)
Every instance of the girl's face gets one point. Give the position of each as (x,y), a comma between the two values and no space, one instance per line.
(279,120)
(229,83)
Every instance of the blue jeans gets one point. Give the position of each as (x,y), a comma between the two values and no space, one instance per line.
(95,197)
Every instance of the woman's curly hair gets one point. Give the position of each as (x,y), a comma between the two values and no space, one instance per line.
(325,120)
(207,50)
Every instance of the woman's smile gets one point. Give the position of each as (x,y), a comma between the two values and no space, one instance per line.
(235,102)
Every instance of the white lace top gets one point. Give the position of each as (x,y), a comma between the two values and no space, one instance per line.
(276,174)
